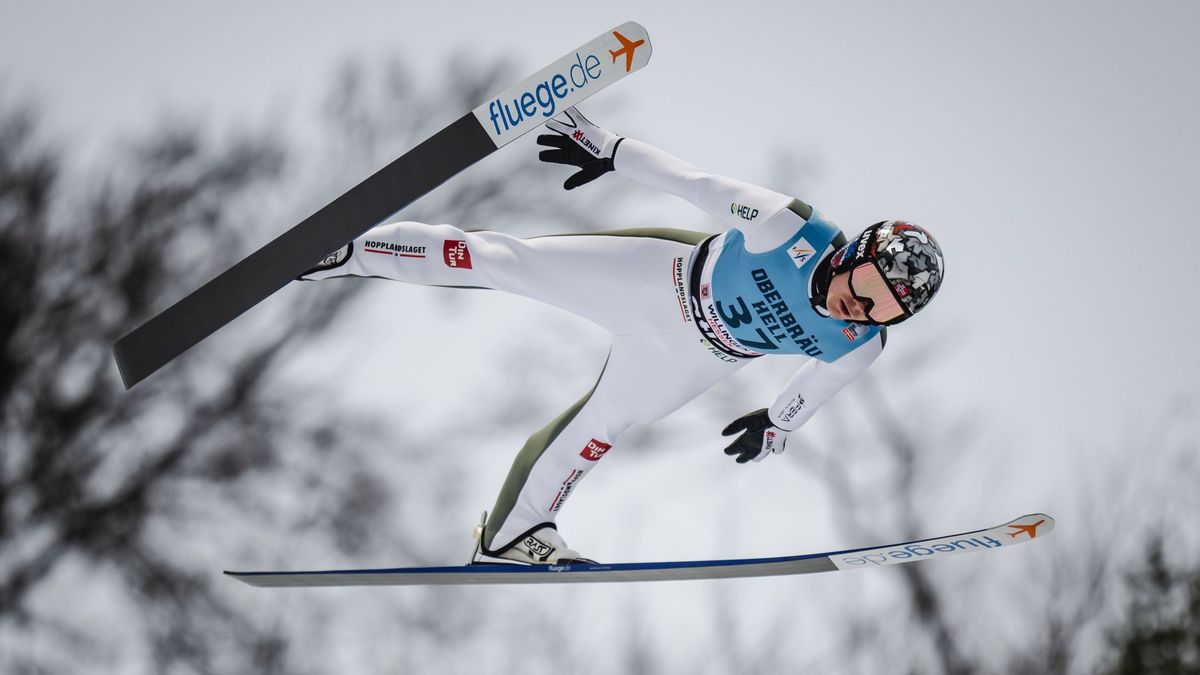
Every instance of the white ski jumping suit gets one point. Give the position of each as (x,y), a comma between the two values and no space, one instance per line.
(684,310)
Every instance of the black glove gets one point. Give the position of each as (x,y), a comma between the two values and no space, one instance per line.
(760,437)
(579,143)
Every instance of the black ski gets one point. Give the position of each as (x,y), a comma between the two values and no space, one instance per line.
(516,111)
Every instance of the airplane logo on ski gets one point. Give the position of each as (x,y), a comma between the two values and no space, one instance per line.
(627,48)
(1030,530)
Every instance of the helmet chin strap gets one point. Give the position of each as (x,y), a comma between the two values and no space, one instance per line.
(818,292)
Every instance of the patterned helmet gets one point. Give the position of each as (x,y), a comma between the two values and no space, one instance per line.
(906,255)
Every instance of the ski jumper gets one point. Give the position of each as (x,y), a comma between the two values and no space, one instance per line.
(684,309)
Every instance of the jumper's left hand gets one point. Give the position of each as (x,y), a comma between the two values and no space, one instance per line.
(760,437)
(578,142)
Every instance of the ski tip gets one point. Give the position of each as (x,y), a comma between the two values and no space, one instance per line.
(1034,525)
(633,41)
(123,368)
(248,578)
(636,31)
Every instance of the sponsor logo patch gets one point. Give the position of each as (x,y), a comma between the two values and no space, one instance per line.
(854,331)
(542,99)
(717,352)
(456,254)
(1030,529)
(563,83)
(586,142)
(594,450)
(628,47)
(866,243)
(742,211)
(770,440)
(886,556)
(792,409)
(399,250)
(564,490)
(801,252)
(719,331)
(677,275)
(537,547)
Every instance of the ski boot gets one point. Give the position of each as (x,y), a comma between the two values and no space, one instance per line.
(542,545)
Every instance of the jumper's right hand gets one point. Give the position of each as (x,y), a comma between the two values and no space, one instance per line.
(579,143)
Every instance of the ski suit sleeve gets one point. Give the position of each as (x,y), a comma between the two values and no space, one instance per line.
(735,203)
(816,382)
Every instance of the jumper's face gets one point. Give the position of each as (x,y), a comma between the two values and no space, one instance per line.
(862,294)
(841,303)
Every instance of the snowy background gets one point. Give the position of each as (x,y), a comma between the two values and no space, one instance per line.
(1051,147)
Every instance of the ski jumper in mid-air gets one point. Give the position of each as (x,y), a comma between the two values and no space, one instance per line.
(684,309)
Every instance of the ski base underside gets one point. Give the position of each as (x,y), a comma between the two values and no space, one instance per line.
(1016,531)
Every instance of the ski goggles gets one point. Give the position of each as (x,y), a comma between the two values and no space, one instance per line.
(881,298)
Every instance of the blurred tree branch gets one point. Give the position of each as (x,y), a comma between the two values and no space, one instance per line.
(1161,631)
(1060,600)
(101,484)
